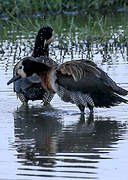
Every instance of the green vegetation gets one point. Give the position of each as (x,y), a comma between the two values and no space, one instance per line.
(82,28)
(18,8)
(74,35)
(98,29)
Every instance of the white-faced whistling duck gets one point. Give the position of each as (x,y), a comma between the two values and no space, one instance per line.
(80,82)
(30,88)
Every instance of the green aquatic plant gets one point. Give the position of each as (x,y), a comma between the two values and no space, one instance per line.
(94,29)
(74,35)
(17,8)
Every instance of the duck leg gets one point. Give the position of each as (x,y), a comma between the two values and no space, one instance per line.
(90,108)
(81,108)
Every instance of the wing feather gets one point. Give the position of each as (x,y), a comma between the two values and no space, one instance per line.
(84,75)
(79,69)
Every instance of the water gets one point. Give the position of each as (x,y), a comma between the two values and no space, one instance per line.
(56,142)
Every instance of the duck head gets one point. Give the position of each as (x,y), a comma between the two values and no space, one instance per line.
(43,39)
(27,67)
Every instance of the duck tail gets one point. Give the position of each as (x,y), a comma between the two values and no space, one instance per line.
(121,91)
(108,100)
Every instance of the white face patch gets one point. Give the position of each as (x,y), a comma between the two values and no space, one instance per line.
(45,42)
(50,40)
(20,70)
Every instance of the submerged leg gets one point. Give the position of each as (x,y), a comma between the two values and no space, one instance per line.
(90,118)
(81,108)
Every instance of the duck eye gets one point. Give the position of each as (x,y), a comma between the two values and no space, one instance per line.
(20,67)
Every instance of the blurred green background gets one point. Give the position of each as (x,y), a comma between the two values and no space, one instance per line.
(41,7)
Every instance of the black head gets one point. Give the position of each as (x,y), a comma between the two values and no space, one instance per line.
(43,39)
(27,67)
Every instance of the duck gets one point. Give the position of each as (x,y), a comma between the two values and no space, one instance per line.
(31,88)
(79,82)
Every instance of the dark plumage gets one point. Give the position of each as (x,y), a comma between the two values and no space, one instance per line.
(80,82)
(43,39)
(30,88)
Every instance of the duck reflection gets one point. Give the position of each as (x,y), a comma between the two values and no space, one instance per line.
(42,138)
(36,134)
(97,134)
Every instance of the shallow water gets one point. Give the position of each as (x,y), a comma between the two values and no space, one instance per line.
(56,142)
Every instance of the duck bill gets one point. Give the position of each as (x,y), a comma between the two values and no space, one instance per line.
(15,78)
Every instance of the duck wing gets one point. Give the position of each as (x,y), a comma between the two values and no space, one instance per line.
(84,75)
(79,76)
(107,80)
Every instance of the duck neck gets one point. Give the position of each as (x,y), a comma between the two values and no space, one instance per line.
(40,50)
(31,67)
(46,74)
(40,67)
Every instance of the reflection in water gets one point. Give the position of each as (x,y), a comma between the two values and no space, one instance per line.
(47,148)
(88,137)
(36,135)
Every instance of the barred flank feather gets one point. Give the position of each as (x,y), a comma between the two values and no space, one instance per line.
(22,98)
(75,97)
(47,98)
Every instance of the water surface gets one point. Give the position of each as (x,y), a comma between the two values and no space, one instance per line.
(56,142)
